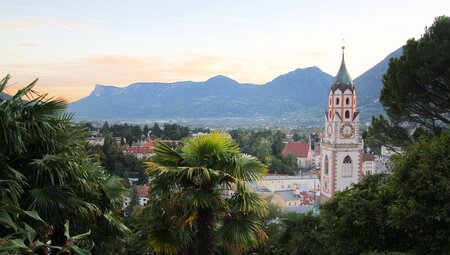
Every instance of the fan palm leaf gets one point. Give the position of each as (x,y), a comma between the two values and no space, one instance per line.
(187,204)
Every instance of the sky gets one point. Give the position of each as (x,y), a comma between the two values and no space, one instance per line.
(73,45)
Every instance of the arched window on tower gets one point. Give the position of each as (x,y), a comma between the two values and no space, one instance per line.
(347,170)
(347,114)
(337,101)
(329,114)
(330,101)
(325,165)
(347,101)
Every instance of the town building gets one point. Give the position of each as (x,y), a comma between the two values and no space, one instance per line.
(142,191)
(142,149)
(302,151)
(95,140)
(383,161)
(341,146)
(286,198)
(276,182)
(368,164)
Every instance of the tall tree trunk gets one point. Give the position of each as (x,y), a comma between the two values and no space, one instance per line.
(205,235)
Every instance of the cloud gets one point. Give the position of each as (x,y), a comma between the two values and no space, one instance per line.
(27,45)
(18,25)
(116,60)
(64,24)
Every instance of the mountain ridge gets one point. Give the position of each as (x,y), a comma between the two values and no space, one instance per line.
(299,95)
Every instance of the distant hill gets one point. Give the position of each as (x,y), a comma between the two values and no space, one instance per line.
(298,96)
(4,96)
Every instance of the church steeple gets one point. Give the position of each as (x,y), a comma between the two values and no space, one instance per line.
(341,148)
(342,80)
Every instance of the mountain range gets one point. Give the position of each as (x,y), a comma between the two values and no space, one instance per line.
(298,96)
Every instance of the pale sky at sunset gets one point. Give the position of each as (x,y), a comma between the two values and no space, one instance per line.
(73,45)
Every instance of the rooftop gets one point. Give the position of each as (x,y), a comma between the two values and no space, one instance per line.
(299,149)
(342,80)
(287,195)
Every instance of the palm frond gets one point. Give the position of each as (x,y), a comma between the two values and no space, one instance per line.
(3,82)
(25,90)
(246,201)
(241,233)
(114,191)
(212,150)
(166,155)
(247,168)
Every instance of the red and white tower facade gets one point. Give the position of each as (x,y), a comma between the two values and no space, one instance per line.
(341,146)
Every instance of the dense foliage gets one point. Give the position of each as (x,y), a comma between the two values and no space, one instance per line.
(267,146)
(111,156)
(46,174)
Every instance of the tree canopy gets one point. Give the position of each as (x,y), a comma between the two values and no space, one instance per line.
(416,91)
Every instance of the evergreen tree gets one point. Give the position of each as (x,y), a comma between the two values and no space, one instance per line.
(416,91)
(156,131)
(417,85)
(105,128)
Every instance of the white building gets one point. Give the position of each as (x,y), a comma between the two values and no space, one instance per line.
(341,146)
(275,183)
(368,165)
(142,191)
(383,162)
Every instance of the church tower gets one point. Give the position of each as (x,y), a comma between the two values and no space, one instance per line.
(341,146)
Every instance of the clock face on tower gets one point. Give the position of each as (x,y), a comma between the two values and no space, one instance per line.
(347,130)
(329,130)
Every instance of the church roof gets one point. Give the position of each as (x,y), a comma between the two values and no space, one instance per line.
(342,80)
(299,149)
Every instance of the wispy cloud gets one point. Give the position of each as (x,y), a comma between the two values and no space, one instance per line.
(27,45)
(121,61)
(18,25)
(64,24)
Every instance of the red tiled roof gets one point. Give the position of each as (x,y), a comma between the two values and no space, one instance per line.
(142,190)
(299,149)
(140,150)
(148,144)
(368,157)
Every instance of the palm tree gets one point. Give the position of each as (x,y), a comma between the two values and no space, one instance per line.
(191,207)
(49,171)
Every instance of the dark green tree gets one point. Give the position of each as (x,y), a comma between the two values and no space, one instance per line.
(286,165)
(278,143)
(300,234)
(105,128)
(355,220)
(421,181)
(416,91)
(146,130)
(157,131)
(382,132)
(417,85)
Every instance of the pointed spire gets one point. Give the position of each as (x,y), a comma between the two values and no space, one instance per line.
(342,80)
